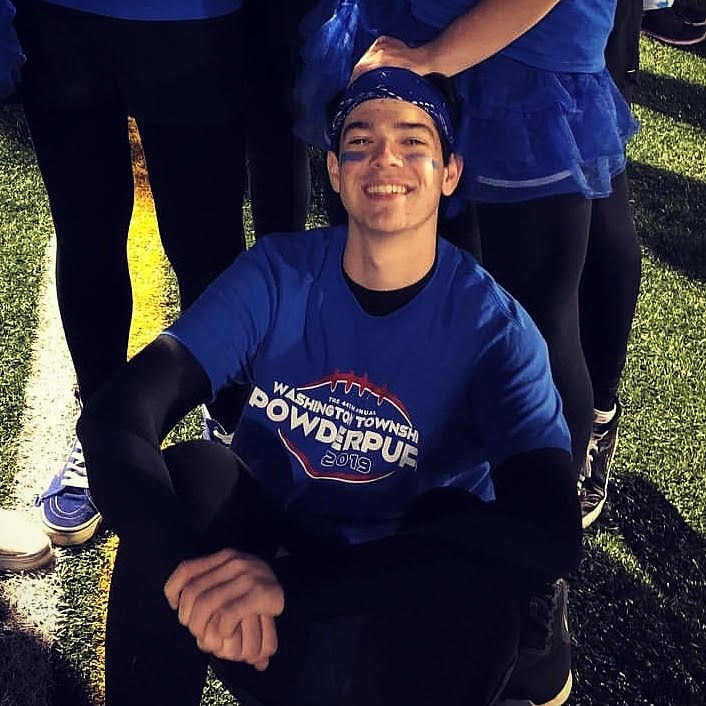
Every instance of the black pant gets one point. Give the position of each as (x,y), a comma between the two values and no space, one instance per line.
(183,82)
(610,284)
(399,621)
(536,250)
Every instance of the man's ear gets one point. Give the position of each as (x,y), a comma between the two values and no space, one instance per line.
(452,174)
(334,172)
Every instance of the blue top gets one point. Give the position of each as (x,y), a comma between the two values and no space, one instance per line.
(572,36)
(541,117)
(351,415)
(11,57)
(154,10)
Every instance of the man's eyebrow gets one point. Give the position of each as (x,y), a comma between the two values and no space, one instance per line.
(355,125)
(402,125)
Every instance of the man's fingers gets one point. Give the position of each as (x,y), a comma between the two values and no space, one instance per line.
(197,607)
(232,647)
(190,569)
(252,639)
(266,599)
(211,640)
(212,589)
(269,641)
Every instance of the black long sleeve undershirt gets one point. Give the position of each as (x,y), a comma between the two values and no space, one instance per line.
(533,526)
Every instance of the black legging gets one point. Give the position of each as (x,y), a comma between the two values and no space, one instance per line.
(278,161)
(85,161)
(536,250)
(610,284)
(404,620)
(574,264)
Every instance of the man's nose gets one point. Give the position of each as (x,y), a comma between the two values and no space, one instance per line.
(385,154)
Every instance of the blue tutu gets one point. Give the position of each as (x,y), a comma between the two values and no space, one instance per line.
(525,132)
(11,57)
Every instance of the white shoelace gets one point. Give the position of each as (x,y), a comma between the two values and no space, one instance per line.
(74,473)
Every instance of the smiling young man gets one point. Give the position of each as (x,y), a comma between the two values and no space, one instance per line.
(400,481)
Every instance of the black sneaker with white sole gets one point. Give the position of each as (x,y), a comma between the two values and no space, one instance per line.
(593,479)
(692,15)
(670,27)
(542,675)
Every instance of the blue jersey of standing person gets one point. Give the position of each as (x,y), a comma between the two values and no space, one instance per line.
(155,10)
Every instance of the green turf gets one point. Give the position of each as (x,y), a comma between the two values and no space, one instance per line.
(637,612)
(24,229)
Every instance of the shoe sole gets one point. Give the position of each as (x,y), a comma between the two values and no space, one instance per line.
(70,538)
(674,42)
(26,562)
(558,700)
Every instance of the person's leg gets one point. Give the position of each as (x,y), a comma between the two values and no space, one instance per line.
(80,135)
(346,637)
(608,295)
(182,82)
(150,658)
(197,179)
(610,285)
(610,282)
(279,196)
(79,131)
(536,250)
(622,52)
(84,157)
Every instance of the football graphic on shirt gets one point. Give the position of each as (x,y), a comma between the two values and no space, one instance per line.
(341,427)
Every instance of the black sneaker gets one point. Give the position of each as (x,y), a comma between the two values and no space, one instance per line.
(593,479)
(692,15)
(670,27)
(542,675)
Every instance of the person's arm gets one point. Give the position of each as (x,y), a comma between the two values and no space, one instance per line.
(533,527)
(482,31)
(209,346)
(227,600)
(122,427)
(531,531)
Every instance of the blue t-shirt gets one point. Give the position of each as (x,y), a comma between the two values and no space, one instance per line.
(154,10)
(572,37)
(351,416)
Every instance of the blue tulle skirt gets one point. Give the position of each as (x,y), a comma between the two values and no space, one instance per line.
(11,57)
(525,132)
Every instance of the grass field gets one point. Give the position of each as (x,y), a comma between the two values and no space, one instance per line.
(637,605)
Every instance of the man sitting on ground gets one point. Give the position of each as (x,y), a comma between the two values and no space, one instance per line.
(401,479)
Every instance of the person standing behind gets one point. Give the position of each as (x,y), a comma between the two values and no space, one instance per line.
(177,68)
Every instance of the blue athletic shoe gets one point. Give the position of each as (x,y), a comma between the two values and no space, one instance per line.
(68,512)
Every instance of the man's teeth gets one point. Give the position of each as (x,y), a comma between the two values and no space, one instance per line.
(386,189)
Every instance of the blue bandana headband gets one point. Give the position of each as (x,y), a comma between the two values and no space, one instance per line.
(399,84)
